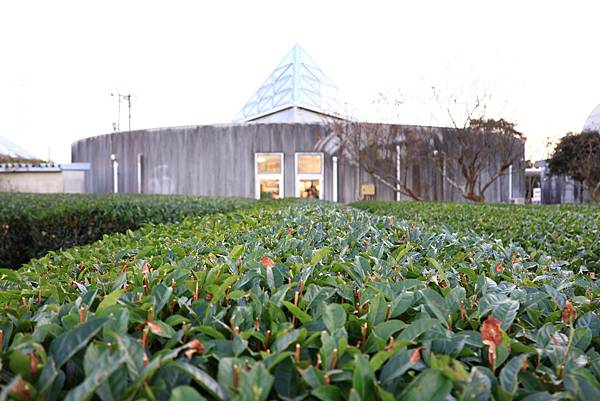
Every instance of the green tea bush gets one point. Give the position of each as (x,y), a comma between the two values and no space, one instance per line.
(33,224)
(303,302)
(567,234)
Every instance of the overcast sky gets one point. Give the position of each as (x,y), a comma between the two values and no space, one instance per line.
(198,62)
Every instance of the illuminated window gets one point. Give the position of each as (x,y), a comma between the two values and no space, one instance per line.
(268,175)
(309,164)
(309,175)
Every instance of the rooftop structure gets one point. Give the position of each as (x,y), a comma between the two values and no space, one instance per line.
(11,150)
(593,121)
(296,91)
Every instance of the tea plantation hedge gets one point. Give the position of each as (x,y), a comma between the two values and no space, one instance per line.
(302,302)
(567,234)
(33,224)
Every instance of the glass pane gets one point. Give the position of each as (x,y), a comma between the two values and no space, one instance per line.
(268,164)
(269,189)
(309,164)
(309,189)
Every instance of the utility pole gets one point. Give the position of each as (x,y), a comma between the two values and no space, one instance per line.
(125,97)
(129,107)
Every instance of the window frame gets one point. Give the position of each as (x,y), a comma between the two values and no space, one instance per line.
(309,176)
(268,176)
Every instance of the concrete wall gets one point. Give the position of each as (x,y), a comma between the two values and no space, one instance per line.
(562,189)
(74,182)
(219,161)
(43,182)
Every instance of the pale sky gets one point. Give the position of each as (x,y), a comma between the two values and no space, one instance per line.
(198,62)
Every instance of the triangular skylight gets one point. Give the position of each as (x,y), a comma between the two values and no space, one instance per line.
(296,82)
(9,149)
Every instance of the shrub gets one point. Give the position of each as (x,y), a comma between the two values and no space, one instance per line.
(565,234)
(33,224)
(312,301)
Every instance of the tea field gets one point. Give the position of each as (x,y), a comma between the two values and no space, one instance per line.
(33,224)
(567,234)
(312,301)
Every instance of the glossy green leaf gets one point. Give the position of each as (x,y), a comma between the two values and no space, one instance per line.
(202,378)
(363,379)
(429,385)
(68,344)
(106,365)
(509,374)
(185,393)
(108,300)
(302,316)
(417,328)
(334,317)
(327,392)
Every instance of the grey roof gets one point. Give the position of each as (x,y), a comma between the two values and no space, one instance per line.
(7,148)
(297,82)
(42,167)
(593,121)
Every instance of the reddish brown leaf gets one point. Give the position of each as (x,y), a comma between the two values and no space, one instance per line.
(491,353)
(194,347)
(463,312)
(22,390)
(490,331)
(34,364)
(415,356)
(145,268)
(569,314)
(267,261)
(491,336)
(155,328)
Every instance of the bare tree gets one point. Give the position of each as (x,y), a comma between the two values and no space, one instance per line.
(479,149)
(480,153)
(379,150)
(470,156)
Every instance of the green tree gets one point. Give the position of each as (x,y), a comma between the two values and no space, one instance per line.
(577,155)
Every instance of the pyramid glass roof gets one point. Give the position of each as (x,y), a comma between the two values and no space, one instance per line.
(296,82)
(7,148)
(593,121)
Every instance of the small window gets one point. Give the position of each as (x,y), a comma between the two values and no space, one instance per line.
(268,164)
(309,175)
(309,164)
(268,175)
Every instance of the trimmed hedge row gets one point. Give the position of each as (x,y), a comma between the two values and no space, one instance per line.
(312,302)
(33,224)
(565,234)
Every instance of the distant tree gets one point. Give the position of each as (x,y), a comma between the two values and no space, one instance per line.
(479,146)
(469,156)
(577,155)
(379,150)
